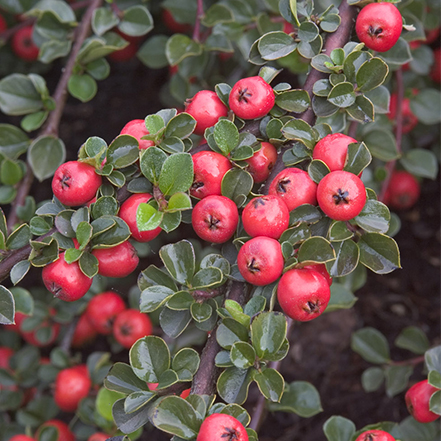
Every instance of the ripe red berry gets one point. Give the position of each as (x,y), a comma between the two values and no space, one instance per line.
(5,355)
(3,24)
(341,195)
(102,310)
(185,393)
(262,162)
(332,150)
(21,437)
(75,183)
(118,261)
(23,45)
(435,73)
(222,427)
(131,325)
(403,190)
(64,433)
(215,218)
(51,329)
(295,187)
(408,118)
(260,260)
(251,98)
(65,281)
(71,386)
(379,26)
(98,436)
(206,108)
(173,25)
(375,435)
(127,213)
(209,169)
(320,268)
(418,401)
(265,216)
(84,332)
(124,54)
(303,294)
(137,129)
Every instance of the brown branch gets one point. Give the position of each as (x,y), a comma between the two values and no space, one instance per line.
(197,24)
(409,362)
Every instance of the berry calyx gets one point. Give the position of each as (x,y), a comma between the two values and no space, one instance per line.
(222,427)
(215,218)
(265,216)
(137,129)
(418,401)
(260,260)
(262,162)
(131,325)
(303,294)
(333,150)
(403,191)
(75,183)
(375,435)
(341,195)
(23,45)
(71,386)
(251,98)
(65,281)
(118,261)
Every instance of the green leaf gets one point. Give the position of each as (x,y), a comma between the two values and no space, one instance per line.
(317,170)
(147,217)
(62,11)
(179,259)
(121,378)
(206,278)
(176,416)
(7,306)
(236,185)
(293,8)
(435,403)
(420,162)
(381,144)
(398,55)
(167,379)
(136,400)
(426,106)
(180,301)
(432,358)
(226,136)
(242,355)
(180,126)
(151,163)
(339,231)
(310,49)
(270,383)
(316,250)
(308,31)
(10,172)
(413,339)
(371,74)
(187,359)
(301,398)
(19,270)
(229,332)
(123,151)
(181,46)
(358,158)
(34,121)
(372,378)
(268,332)
(397,378)
(379,253)
(304,213)
(152,52)
(13,141)
(371,344)
(129,423)
(434,378)
(45,155)
(233,384)
(153,297)
(149,358)
(275,45)
(152,276)
(237,313)
(347,255)
(342,95)
(19,238)
(299,130)
(136,21)
(217,13)
(341,298)
(174,323)
(103,20)
(374,217)
(362,110)
(201,311)
(176,174)
(82,87)
(338,428)
(171,221)
(296,101)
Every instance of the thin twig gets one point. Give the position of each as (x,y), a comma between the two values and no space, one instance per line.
(197,24)
(409,362)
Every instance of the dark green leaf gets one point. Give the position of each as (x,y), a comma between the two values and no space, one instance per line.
(426,106)
(268,332)
(372,378)
(293,100)
(398,55)
(236,185)
(371,344)
(381,144)
(338,428)
(362,110)
(201,311)
(129,423)
(397,378)
(173,323)
(379,253)
(421,163)
(342,95)
(271,384)
(358,158)
(308,31)
(180,126)
(13,141)
(341,298)
(242,355)
(180,46)
(371,74)
(413,339)
(19,237)
(207,277)
(121,378)
(136,21)
(339,231)
(275,45)
(347,254)
(316,250)
(123,151)
(179,259)
(7,306)
(305,213)
(317,170)
(83,87)
(229,332)
(374,217)
(299,130)
(136,400)
(18,95)
(153,297)
(180,301)
(45,155)
(152,52)
(186,359)
(19,270)
(233,385)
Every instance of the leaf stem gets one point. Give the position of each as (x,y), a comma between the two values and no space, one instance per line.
(410,362)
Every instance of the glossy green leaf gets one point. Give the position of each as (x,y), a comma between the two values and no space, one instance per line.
(186,359)
(275,45)
(434,378)
(168,378)
(304,213)
(308,31)
(206,278)
(237,313)
(151,163)
(270,383)
(310,49)
(121,378)
(181,46)
(397,378)
(7,306)
(381,144)
(379,253)
(174,323)
(293,100)
(420,162)
(268,332)
(136,400)
(372,379)
(217,13)
(103,20)
(123,151)
(201,311)
(338,428)
(179,259)
(341,298)
(176,174)
(115,232)
(180,126)
(45,155)
(152,276)
(353,62)
(19,270)
(226,136)
(317,170)
(413,339)
(19,237)
(322,88)
(171,221)
(374,217)
(316,250)
(371,74)
(435,403)
(342,95)
(233,384)
(398,55)
(362,110)
(358,158)
(129,423)
(371,344)
(180,301)
(299,130)
(320,62)
(432,357)
(347,255)
(136,21)
(242,355)
(236,185)
(229,332)
(83,87)
(152,52)
(339,231)
(13,141)
(153,297)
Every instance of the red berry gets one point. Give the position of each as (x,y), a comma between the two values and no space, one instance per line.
(295,187)
(5,355)
(173,25)
(265,216)
(403,191)
(185,393)
(375,435)
(98,436)
(408,118)
(209,169)
(222,427)
(21,438)
(260,260)
(215,218)
(332,150)
(127,213)
(64,433)
(320,268)
(71,386)
(84,332)
(75,183)
(432,35)
(341,195)
(418,401)
(23,45)
(102,310)
(19,317)
(3,24)
(65,281)
(118,261)
(131,325)
(137,129)
(47,324)
(435,73)
(251,98)
(262,162)
(379,26)
(303,294)
(206,108)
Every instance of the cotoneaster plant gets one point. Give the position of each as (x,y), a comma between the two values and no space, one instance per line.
(375,435)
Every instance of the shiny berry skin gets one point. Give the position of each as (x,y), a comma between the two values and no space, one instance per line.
(118,261)
(99,436)
(23,45)
(379,26)
(209,168)
(127,213)
(435,72)
(21,438)
(408,118)
(102,310)
(260,260)
(332,150)
(222,427)
(185,393)
(84,332)
(295,187)
(131,325)
(75,183)
(262,162)
(403,191)
(320,268)
(375,435)
(251,98)
(303,294)
(64,433)
(265,216)
(65,281)
(137,129)
(418,401)
(215,219)
(71,386)
(206,108)
(341,195)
